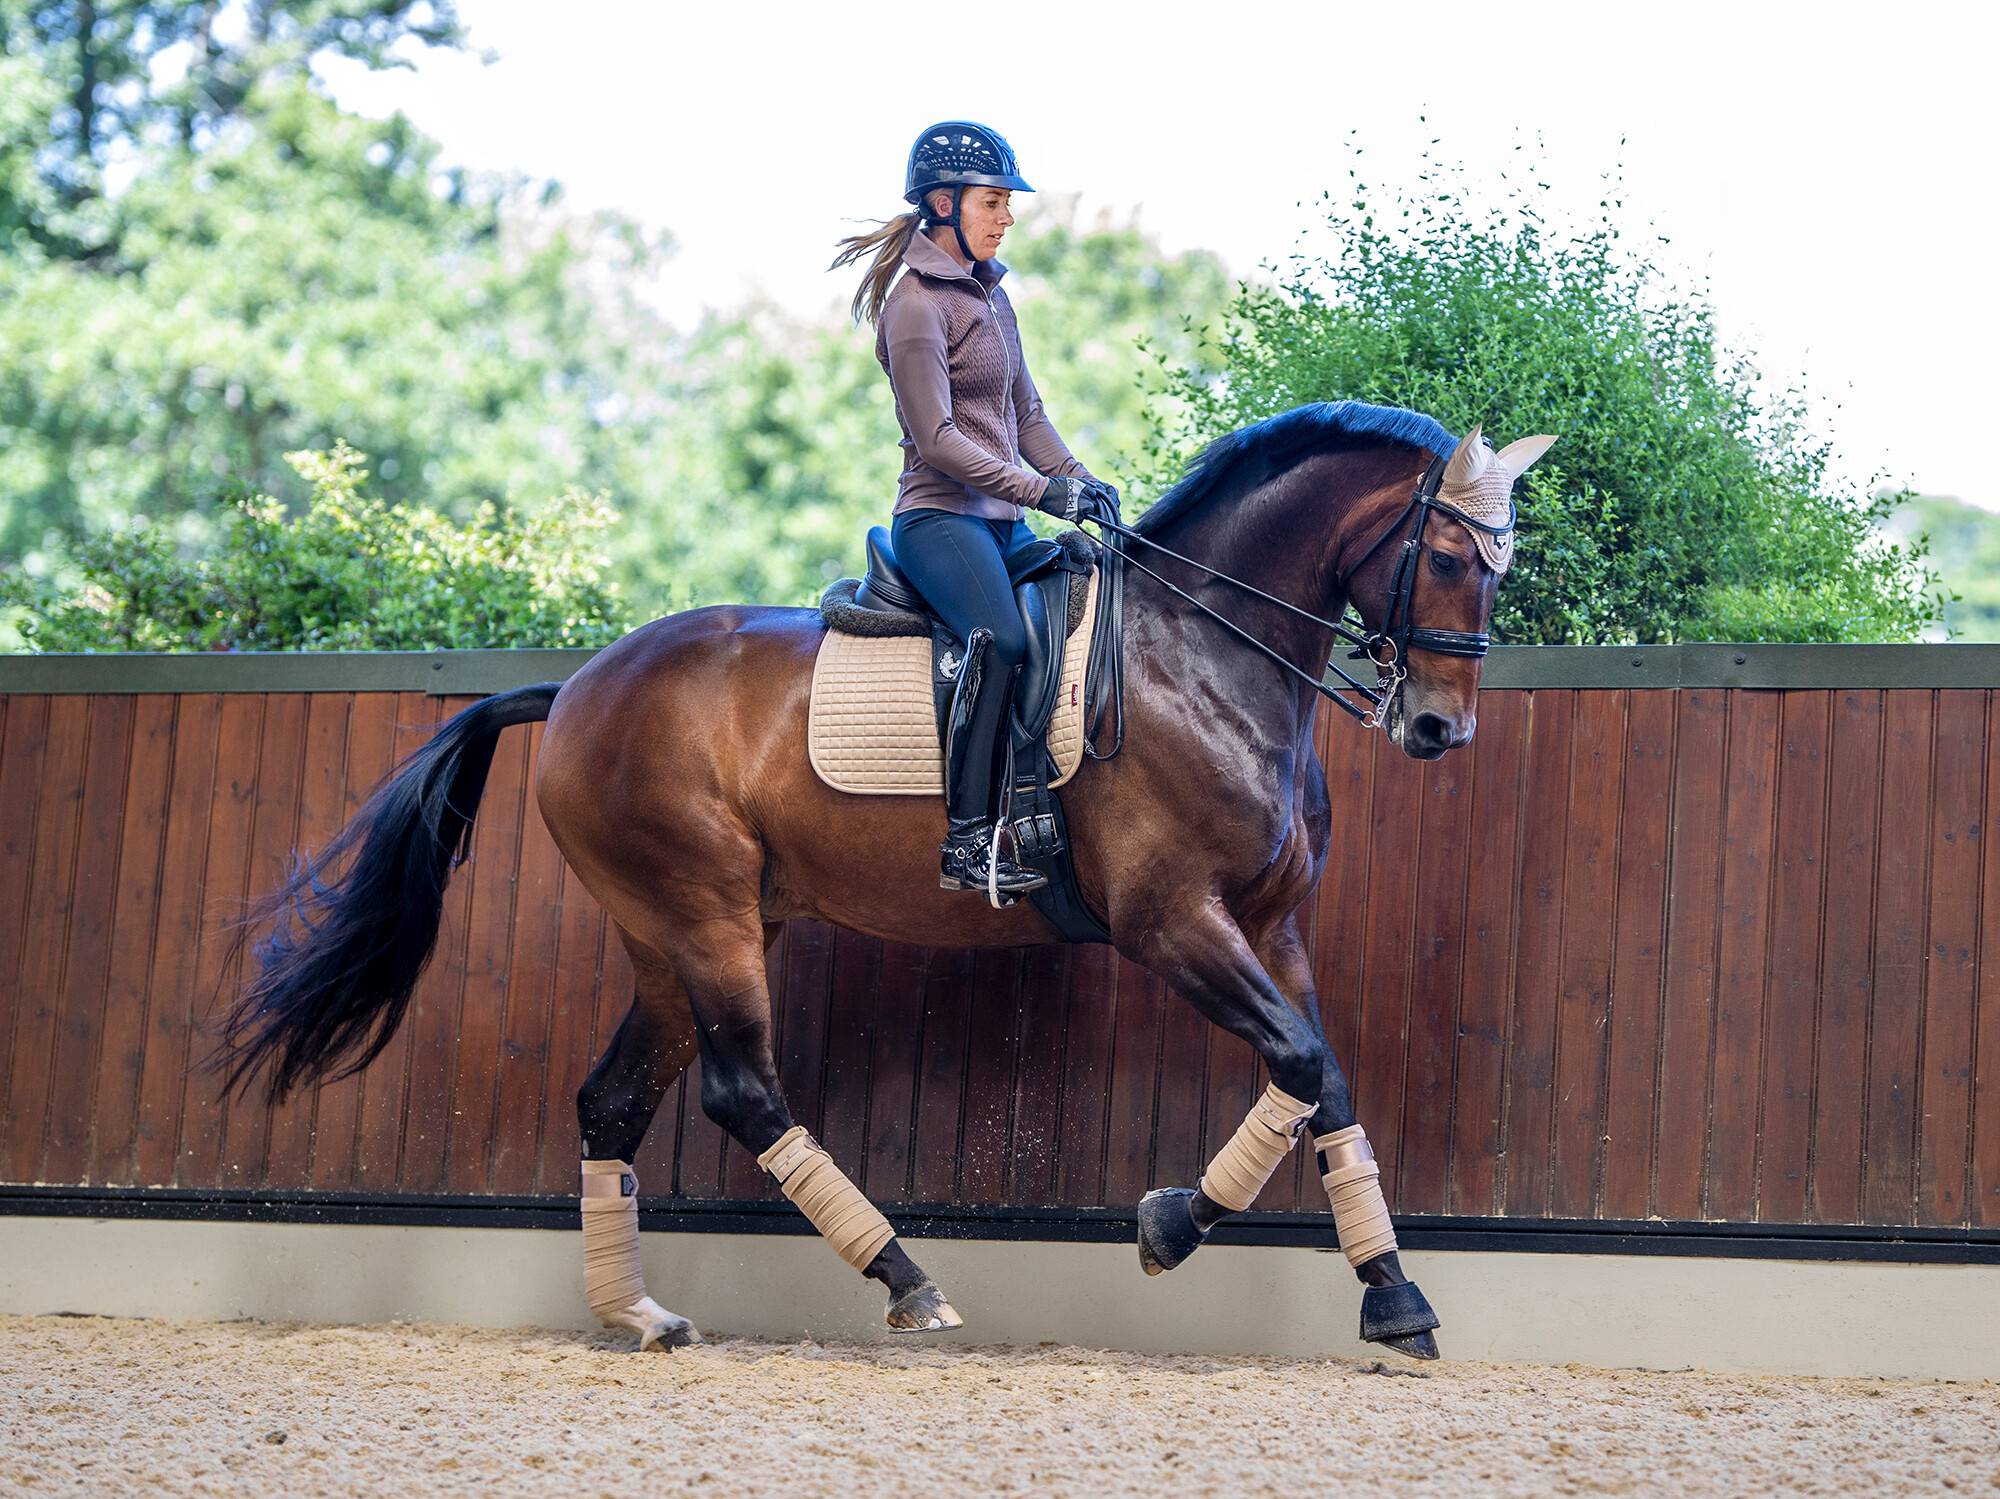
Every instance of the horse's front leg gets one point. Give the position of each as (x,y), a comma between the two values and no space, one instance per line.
(1208,960)
(1393,1311)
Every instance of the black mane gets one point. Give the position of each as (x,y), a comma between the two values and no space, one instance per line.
(1253,454)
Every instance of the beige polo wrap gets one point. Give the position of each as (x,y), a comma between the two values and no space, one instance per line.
(1353,1185)
(610,1202)
(1241,1167)
(847,1220)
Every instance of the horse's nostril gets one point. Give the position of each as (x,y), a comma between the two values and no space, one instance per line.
(1430,730)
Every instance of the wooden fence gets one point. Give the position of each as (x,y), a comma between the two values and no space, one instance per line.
(1694,952)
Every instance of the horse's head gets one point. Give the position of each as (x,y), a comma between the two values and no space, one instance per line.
(1426,590)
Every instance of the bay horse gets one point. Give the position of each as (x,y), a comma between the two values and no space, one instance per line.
(674,779)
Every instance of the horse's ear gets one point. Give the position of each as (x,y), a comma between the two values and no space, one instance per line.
(1468,461)
(1518,457)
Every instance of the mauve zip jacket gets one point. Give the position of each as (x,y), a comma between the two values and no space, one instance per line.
(969,412)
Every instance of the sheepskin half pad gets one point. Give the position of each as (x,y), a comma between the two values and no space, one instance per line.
(872,729)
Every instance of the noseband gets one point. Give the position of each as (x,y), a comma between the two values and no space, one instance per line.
(1388,648)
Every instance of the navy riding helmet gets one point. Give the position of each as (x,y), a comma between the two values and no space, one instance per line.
(959,154)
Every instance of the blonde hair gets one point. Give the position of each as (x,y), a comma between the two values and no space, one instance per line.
(888,243)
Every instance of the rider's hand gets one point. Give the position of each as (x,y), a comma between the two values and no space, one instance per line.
(1077,500)
(1065,499)
(1101,503)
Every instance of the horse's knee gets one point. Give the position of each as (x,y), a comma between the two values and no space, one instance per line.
(1296,1064)
(742,1106)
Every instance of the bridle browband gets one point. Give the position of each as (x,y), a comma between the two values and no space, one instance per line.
(1387,648)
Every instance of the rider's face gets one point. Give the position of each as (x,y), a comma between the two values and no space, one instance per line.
(983,216)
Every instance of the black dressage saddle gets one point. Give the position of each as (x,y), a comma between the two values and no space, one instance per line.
(1042,576)
(1050,581)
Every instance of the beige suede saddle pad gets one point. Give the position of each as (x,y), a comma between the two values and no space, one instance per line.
(873,730)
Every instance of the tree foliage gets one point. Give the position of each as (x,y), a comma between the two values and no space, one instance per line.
(280,274)
(1683,502)
(345,572)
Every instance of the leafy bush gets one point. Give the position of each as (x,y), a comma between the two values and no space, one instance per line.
(1682,503)
(346,573)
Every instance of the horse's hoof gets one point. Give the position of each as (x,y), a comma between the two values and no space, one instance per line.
(923,1309)
(1418,1345)
(674,1332)
(1167,1234)
(656,1326)
(1399,1317)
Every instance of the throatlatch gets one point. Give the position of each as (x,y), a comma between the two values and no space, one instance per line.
(1353,1185)
(852,1224)
(612,1281)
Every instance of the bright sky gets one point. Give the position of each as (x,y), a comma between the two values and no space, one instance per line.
(1828,173)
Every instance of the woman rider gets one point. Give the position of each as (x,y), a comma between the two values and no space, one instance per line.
(970,416)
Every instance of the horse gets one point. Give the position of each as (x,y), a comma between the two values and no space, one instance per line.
(674,779)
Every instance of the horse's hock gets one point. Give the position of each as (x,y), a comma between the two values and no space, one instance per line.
(1683,964)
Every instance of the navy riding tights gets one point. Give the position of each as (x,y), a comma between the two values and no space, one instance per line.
(959,564)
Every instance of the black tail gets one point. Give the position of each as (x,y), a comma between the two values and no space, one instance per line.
(335,972)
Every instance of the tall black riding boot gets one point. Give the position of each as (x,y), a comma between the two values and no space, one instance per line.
(978,716)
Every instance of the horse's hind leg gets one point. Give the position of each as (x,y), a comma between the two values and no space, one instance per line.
(722,964)
(652,1047)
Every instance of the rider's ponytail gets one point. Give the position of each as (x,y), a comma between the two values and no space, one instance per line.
(888,242)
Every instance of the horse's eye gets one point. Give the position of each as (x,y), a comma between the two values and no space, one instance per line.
(1444,564)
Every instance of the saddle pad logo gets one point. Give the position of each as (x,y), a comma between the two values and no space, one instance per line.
(948,665)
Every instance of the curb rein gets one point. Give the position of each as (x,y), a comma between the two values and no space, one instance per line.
(1387,649)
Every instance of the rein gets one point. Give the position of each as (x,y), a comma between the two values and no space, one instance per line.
(1387,648)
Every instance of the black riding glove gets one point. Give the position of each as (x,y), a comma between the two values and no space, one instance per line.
(1077,500)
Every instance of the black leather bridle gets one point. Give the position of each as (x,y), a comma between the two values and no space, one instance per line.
(1387,648)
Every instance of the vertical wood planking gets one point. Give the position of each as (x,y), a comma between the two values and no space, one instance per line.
(177,932)
(320,807)
(385,1086)
(1137,1031)
(522,1092)
(489,956)
(1178,1113)
(1583,996)
(1046,1002)
(86,962)
(948,999)
(850,1048)
(1847,957)
(1983,1199)
(1638,955)
(1087,1063)
(1797,900)
(1687,1011)
(580,939)
(892,1070)
(1743,952)
(38,995)
(371,737)
(231,820)
(1492,883)
(1531,1054)
(1382,1046)
(1442,836)
(1889,1138)
(23,742)
(273,835)
(1944,1092)
(122,1053)
(989,1075)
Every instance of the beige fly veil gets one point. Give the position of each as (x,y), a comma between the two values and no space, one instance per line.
(1479,482)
